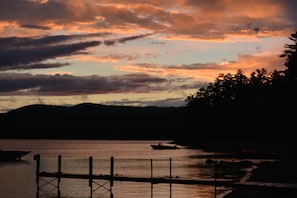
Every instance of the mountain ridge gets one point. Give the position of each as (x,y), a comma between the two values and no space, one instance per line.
(182,124)
(89,120)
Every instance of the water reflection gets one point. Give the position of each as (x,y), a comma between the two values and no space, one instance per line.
(131,158)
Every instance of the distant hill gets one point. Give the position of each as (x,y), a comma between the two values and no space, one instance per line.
(185,125)
(90,121)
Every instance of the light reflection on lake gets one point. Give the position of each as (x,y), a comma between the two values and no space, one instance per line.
(131,158)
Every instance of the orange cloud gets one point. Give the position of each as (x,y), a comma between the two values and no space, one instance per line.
(209,71)
(209,20)
(60,73)
(182,72)
(249,63)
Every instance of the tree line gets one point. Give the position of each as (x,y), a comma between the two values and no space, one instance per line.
(260,88)
(240,107)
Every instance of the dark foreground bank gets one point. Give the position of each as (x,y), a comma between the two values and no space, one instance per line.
(283,171)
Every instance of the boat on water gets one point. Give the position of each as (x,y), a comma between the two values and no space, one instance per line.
(12,155)
(160,146)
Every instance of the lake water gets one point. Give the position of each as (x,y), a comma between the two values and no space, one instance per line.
(131,158)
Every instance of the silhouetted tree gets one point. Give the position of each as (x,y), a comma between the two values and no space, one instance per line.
(226,89)
(238,89)
(260,78)
(291,58)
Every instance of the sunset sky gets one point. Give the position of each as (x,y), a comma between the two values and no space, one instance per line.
(133,52)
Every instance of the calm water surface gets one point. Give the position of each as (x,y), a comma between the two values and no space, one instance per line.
(131,158)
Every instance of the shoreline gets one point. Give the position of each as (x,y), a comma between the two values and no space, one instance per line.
(282,171)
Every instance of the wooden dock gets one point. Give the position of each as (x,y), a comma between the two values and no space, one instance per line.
(156,180)
(152,180)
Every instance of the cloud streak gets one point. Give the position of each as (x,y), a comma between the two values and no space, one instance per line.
(33,66)
(125,39)
(27,55)
(31,26)
(208,71)
(28,84)
(21,52)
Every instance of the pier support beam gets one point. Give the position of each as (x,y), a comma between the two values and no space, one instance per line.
(91,176)
(59,175)
(215,179)
(152,189)
(37,159)
(170,176)
(111,175)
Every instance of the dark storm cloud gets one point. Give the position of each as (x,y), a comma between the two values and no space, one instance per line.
(12,83)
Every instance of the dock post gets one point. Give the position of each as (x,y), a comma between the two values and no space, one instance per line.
(111,175)
(215,177)
(151,168)
(59,175)
(170,176)
(233,172)
(111,171)
(37,158)
(91,176)
(152,178)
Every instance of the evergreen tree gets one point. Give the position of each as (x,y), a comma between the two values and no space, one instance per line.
(291,58)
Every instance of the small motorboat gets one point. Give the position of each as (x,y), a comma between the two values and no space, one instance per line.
(160,146)
(12,155)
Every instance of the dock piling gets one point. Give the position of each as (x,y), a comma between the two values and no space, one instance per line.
(152,178)
(91,176)
(37,159)
(111,171)
(59,174)
(170,176)
(215,179)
